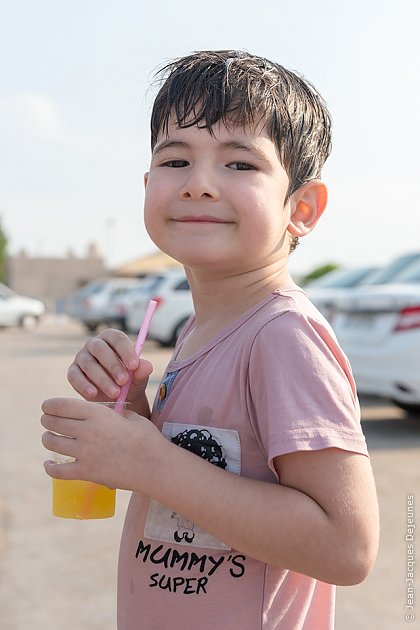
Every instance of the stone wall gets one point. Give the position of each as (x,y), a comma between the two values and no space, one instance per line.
(54,280)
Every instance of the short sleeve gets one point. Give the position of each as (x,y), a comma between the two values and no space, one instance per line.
(302,394)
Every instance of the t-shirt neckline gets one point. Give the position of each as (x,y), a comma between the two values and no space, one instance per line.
(174,364)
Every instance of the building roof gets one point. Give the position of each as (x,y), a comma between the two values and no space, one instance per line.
(148,264)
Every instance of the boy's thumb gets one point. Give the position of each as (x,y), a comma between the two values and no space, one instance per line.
(143,371)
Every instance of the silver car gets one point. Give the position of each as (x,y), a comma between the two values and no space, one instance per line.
(90,304)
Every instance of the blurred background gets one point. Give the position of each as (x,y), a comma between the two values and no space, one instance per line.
(76,92)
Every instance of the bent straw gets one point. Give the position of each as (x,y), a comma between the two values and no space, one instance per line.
(141,338)
(119,405)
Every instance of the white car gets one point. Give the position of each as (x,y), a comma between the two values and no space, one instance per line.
(378,328)
(123,298)
(326,290)
(175,306)
(17,310)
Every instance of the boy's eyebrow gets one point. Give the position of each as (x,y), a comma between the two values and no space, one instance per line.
(170,144)
(235,145)
(228,145)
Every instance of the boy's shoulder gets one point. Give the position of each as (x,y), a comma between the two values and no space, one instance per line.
(290,301)
(289,319)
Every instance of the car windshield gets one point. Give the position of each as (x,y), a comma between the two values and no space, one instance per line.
(92,288)
(394,269)
(342,278)
(6,292)
(409,274)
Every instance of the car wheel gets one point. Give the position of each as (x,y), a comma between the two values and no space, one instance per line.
(411,408)
(27,322)
(177,331)
(92,328)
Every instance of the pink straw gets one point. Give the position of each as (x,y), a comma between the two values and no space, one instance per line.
(144,328)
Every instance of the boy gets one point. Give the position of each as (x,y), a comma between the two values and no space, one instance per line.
(252,488)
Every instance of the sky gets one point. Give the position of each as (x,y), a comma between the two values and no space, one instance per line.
(76,90)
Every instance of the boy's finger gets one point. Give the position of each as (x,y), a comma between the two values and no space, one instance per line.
(143,372)
(123,346)
(98,356)
(79,381)
(88,372)
(63,426)
(61,471)
(67,407)
(60,444)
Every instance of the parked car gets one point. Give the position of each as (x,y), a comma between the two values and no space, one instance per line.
(89,305)
(17,310)
(378,328)
(124,298)
(175,306)
(397,268)
(326,290)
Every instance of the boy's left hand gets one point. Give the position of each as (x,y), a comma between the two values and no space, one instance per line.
(110,449)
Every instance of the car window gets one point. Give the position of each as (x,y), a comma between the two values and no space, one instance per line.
(409,274)
(182,286)
(342,278)
(92,289)
(118,291)
(389,273)
(6,292)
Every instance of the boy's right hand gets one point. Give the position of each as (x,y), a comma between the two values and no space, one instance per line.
(102,367)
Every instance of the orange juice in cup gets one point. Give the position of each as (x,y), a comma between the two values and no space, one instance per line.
(82,499)
(85,499)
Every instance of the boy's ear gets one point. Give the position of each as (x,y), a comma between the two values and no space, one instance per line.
(307,205)
(145,178)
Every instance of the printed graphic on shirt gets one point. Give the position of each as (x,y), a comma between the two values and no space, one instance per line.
(222,448)
(194,572)
(165,389)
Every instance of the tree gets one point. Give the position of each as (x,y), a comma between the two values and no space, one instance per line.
(318,272)
(3,253)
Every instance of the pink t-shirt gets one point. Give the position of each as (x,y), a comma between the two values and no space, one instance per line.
(273,382)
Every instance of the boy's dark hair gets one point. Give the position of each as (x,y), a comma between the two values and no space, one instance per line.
(243,90)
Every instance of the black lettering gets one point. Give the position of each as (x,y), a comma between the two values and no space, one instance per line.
(188,590)
(197,560)
(141,548)
(164,586)
(188,586)
(154,556)
(179,557)
(177,581)
(216,563)
(239,565)
(201,584)
(154,581)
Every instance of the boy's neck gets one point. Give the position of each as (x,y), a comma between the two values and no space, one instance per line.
(220,299)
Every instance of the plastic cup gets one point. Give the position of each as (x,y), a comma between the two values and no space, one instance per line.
(82,499)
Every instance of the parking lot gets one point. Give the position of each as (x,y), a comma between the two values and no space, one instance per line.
(57,573)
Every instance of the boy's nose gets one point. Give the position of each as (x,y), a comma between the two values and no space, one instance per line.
(199,185)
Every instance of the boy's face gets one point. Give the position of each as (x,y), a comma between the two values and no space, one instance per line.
(218,200)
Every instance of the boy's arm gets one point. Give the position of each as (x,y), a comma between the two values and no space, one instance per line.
(321,521)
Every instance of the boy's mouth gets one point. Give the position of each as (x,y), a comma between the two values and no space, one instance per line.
(203,218)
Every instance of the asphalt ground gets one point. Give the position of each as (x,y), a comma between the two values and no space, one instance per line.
(58,573)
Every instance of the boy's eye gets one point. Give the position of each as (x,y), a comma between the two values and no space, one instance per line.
(241,166)
(175,163)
